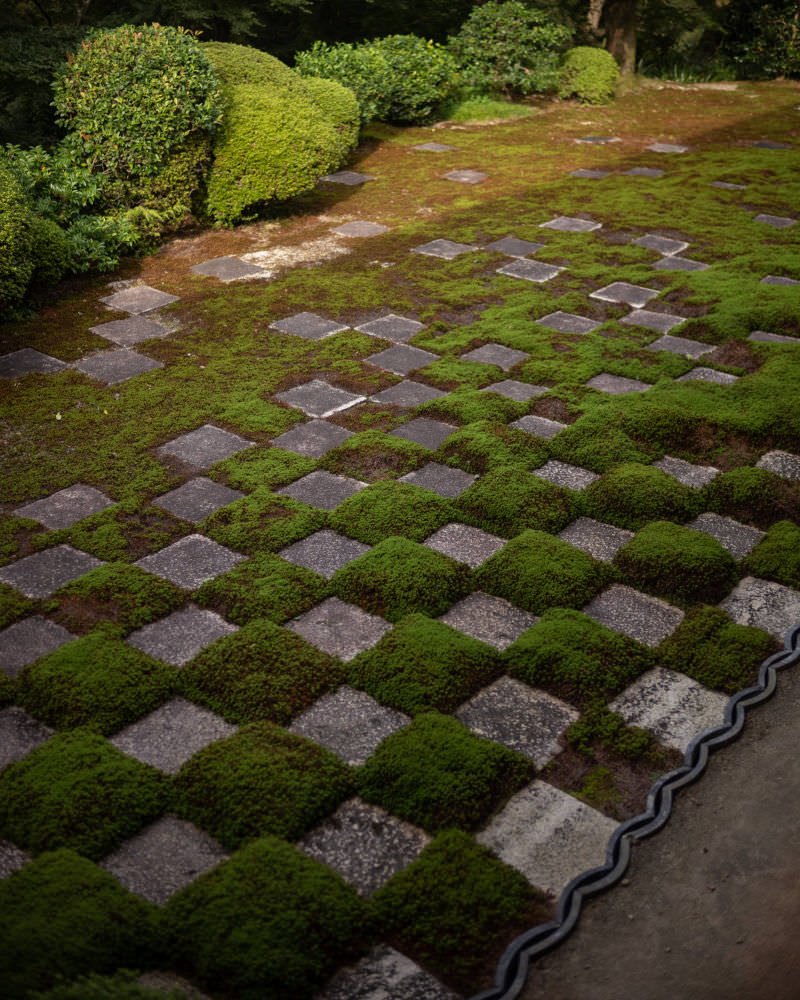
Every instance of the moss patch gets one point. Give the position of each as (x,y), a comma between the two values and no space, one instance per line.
(754,496)
(259,468)
(13,605)
(777,555)
(372,455)
(391,508)
(486,445)
(632,495)
(507,501)
(262,522)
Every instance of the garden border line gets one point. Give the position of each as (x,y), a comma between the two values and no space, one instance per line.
(512,970)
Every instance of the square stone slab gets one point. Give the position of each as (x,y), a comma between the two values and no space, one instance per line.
(598,140)
(590,175)
(407,394)
(365,845)
(137,300)
(197,499)
(11,859)
(566,224)
(205,446)
(19,734)
(165,857)
(623,291)
(180,636)
(644,618)
(675,345)
(385,974)
(228,268)
(349,723)
(27,361)
(130,331)
(322,489)
(520,717)
(66,507)
(392,327)
(601,541)
(513,247)
(763,604)
(401,359)
(489,619)
(737,538)
(465,544)
(672,706)
(538,426)
(662,322)
(700,374)
(318,398)
(777,221)
(782,463)
(617,385)
(447,482)
(567,322)
(312,439)
(679,264)
(446,249)
(28,641)
(496,354)
(696,476)
(434,147)
(644,172)
(772,338)
(667,147)
(41,574)
(360,228)
(169,736)
(571,477)
(661,244)
(466,176)
(769,144)
(520,391)
(423,431)
(191,561)
(727,186)
(350,177)
(324,552)
(778,279)
(339,629)
(307,325)
(113,367)
(548,836)
(529,270)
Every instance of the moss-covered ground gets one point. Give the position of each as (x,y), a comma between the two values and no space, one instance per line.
(235,931)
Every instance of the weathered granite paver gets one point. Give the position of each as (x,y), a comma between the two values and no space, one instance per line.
(623,291)
(728,186)
(402,359)
(465,544)
(66,507)
(113,367)
(530,270)
(229,268)
(640,616)
(312,439)
(567,224)
(28,361)
(43,573)
(19,734)
(763,604)
(131,331)
(318,398)
(668,147)
(29,640)
(772,338)
(678,345)
(407,394)
(325,552)
(139,299)
(385,974)
(696,476)
(446,249)
(778,279)
(770,144)
(466,176)
(204,446)
(11,859)
(653,172)
(352,178)
(679,264)
(776,221)
(662,322)
(617,385)
(360,228)
(489,619)
(398,329)
(447,482)
(196,500)
(568,322)
(191,561)
(782,463)
(339,629)
(661,244)
(180,636)
(701,374)
(496,354)
(538,426)
(307,325)
(322,489)
(739,539)
(434,147)
(601,541)
(512,246)
(424,431)
(588,174)
(571,477)
(512,389)
(597,140)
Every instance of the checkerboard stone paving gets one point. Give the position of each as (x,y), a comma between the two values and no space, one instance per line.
(739,539)
(489,619)
(566,224)
(601,541)
(322,489)
(425,432)
(701,374)
(339,629)
(308,325)
(696,476)
(360,228)
(385,974)
(776,221)
(163,858)
(567,322)
(782,463)
(764,337)
(626,293)
(191,561)
(113,367)
(763,604)
(139,299)
(204,446)
(27,641)
(43,573)
(548,835)
(365,845)
(661,244)
(312,439)
(407,394)
(647,619)
(466,176)
(11,859)
(496,354)
(441,479)
(130,331)
(325,552)
(679,264)
(672,706)
(168,736)
(677,345)
(196,500)
(398,329)
(617,385)
(229,268)
(19,734)
(538,426)
(522,718)
(662,322)
(778,279)
(511,246)
(352,178)
(27,361)
(530,270)
(318,398)
(402,359)
(446,249)
(571,477)
(180,636)
(349,723)
(465,544)
(66,507)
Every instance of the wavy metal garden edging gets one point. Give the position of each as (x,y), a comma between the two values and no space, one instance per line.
(512,969)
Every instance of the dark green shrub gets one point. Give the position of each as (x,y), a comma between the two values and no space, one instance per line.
(391,508)
(16,241)
(51,252)
(263,522)
(78,791)
(437,774)
(536,571)
(777,556)
(678,563)
(62,917)
(509,48)
(423,665)
(760,39)
(588,74)
(269,924)
(754,496)
(122,985)
(340,107)
(632,495)
(507,501)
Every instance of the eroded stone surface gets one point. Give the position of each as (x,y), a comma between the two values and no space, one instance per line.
(739,539)
(447,482)
(19,734)
(644,172)
(679,264)
(204,446)
(465,544)
(489,619)
(434,147)
(407,394)
(776,221)
(566,224)
(520,391)
(385,974)
(661,244)
(139,299)
(696,476)
(322,489)
(307,325)
(572,477)
(446,249)
(339,629)
(229,268)
(191,561)
(616,385)
(318,398)
(66,507)
(662,322)
(728,186)
(601,541)
(312,439)
(352,178)
(701,374)
(678,345)
(538,426)
(423,431)
(530,270)
(41,574)
(764,604)
(466,176)
(27,361)
(667,147)
(360,228)
(623,291)
(402,359)
(113,367)
(568,322)
(779,279)
(640,616)
(180,636)
(130,331)
(496,354)
(29,640)
(325,552)
(782,463)
(197,499)
(772,338)
(511,246)
(590,175)
(398,329)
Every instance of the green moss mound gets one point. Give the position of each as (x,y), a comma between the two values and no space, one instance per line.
(261,672)
(391,508)
(16,243)
(588,74)
(423,665)
(62,917)
(536,571)
(468,406)
(486,445)
(122,985)
(398,577)
(261,780)
(371,455)
(269,924)
(677,563)
(599,726)
(437,774)
(97,681)
(754,496)
(777,555)
(632,495)
(263,522)
(576,658)
(13,605)
(507,501)
(78,791)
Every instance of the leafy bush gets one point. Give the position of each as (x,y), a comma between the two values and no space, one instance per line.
(361,68)
(236,65)
(51,251)
(340,106)
(761,38)
(16,266)
(590,74)
(509,48)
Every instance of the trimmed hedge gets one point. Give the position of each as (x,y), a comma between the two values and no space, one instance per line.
(16,242)
(588,74)
(340,106)
(236,65)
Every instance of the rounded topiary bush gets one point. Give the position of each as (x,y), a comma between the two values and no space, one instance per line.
(242,64)
(362,68)
(51,253)
(16,266)
(339,105)
(589,74)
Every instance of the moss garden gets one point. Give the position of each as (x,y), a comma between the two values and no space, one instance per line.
(246,777)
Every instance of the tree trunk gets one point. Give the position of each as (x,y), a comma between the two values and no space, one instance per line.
(619,18)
